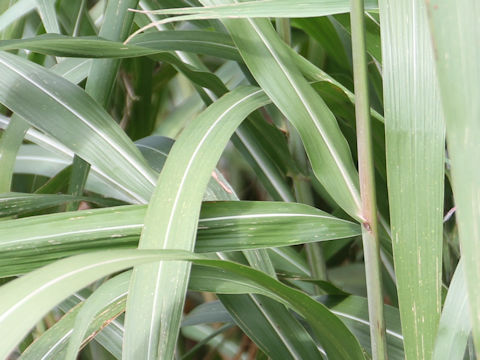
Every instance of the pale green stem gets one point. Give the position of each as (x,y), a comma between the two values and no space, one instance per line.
(371,246)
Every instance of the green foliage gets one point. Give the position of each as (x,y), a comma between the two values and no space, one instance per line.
(201,181)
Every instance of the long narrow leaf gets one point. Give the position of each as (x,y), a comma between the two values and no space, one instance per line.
(271,65)
(265,308)
(247,226)
(257,9)
(415,166)
(202,42)
(455,30)
(35,160)
(19,203)
(177,198)
(56,281)
(46,10)
(102,297)
(53,343)
(47,100)
(263,317)
(352,310)
(16,12)
(455,325)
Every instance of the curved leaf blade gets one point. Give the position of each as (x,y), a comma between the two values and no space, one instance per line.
(155,324)
(270,63)
(102,297)
(46,100)
(54,282)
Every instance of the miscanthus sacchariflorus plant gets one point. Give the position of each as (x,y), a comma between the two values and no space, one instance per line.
(218,179)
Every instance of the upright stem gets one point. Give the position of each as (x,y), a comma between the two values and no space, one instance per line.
(367,184)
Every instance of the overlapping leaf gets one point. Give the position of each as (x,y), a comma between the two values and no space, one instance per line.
(53,283)
(454,30)
(47,101)
(271,65)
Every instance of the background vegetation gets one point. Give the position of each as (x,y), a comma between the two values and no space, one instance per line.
(217,179)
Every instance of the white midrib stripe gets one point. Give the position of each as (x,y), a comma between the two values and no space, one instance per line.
(59,342)
(174,207)
(278,187)
(92,231)
(365,322)
(129,192)
(299,266)
(330,148)
(194,155)
(73,68)
(140,225)
(272,215)
(152,148)
(88,124)
(43,159)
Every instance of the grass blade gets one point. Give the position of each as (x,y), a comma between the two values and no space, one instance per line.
(268,9)
(52,344)
(263,318)
(53,156)
(177,197)
(117,23)
(87,46)
(246,226)
(255,9)
(269,224)
(35,160)
(13,138)
(69,275)
(46,10)
(10,143)
(38,92)
(19,203)
(455,325)
(16,12)
(415,167)
(104,296)
(270,63)
(457,57)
